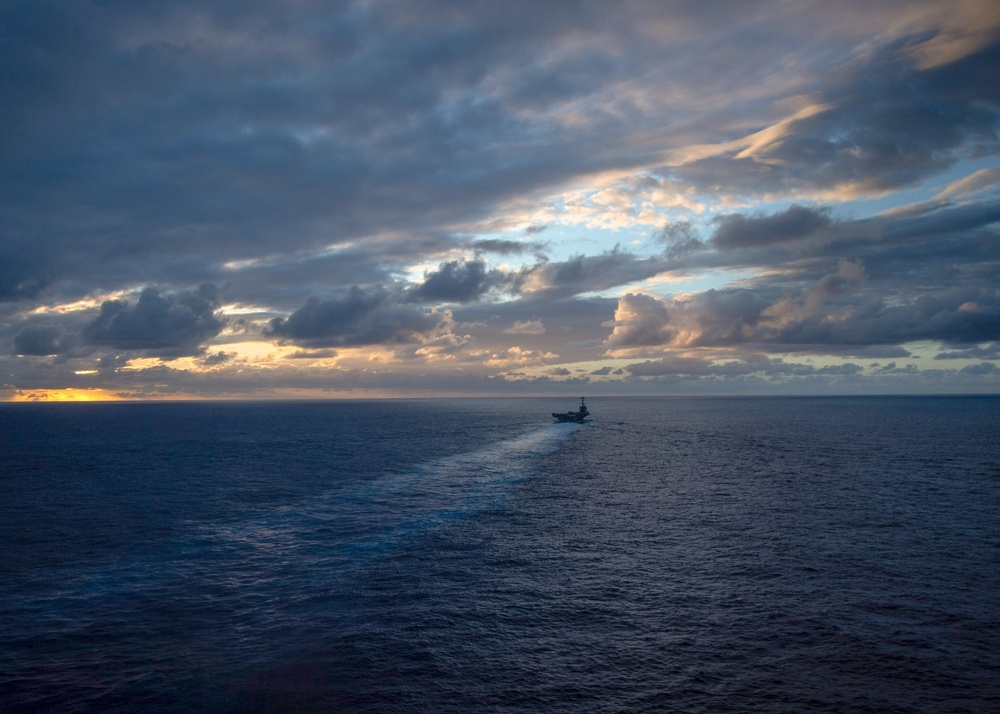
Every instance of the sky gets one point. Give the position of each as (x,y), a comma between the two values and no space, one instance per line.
(245,199)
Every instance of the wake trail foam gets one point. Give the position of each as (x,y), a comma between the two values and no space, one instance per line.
(345,524)
(377,514)
(463,483)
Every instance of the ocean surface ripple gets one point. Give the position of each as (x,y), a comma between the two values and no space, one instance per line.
(688,555)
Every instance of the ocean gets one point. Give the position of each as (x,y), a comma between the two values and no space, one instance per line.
(670,555)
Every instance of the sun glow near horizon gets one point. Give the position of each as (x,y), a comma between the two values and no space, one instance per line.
(67,395)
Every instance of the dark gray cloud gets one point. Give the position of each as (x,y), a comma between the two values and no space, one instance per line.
(680,239)
(959,315)
(737,231)
(946,220)
(725,317)
(283,282)
(313,354)
(889,124)
(457,282)
(585,273)
(167,132)
(506,247)
(989,351)
(359,317)
(217,358)
(983,368)
(167,325)
(191,134)
(572,328)
(25,267)
(752,364)
(795,322)
(39,340)
(893,259)
(848,286)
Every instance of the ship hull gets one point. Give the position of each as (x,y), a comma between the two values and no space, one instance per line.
(578,416)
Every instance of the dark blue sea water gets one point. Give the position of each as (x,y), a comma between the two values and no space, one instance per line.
(683,555)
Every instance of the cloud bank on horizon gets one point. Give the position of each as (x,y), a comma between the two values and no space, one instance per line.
(255,199)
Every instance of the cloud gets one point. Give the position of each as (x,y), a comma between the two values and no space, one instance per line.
(170,325)
(979,181)
(640,321)
(832,313)
(526,327)
(887,124)
(951,316)
(39,340)
(25,267)
(359,317)
(575,325)
(586,273)
(988,351)
(457,282)
(712,318)
(946,220)
(754,364)
(519,357)
(218,358)
(680,239)
(506,247)
(983,368)
(701,162)
(313,354)
(737,231)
